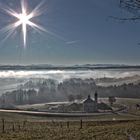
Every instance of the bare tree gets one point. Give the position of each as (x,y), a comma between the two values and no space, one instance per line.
(71,98)
(133,7)
(79,96)
(111,100)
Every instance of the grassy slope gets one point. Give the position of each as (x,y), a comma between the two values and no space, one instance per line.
(97,127)
(42,128)
(59,131)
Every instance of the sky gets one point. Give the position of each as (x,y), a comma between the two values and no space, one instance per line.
(79,32)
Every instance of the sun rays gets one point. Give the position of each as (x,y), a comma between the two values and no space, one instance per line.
(23,19)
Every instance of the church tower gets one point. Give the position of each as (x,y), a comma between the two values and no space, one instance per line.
(96,97)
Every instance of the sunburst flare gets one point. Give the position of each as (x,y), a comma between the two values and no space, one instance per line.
(23,20)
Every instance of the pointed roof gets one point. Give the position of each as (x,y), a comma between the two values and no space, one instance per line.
(89,100)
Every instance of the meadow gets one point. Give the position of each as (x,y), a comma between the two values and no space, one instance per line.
(115,126)
(24,127)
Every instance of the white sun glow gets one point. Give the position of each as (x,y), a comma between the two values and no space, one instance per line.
(24,20)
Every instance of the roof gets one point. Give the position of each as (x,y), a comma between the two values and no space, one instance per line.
(89,100)
(104,106)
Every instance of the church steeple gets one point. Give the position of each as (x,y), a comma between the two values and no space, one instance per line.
(96,97)
(88,96)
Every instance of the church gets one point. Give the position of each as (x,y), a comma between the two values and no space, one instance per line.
(90,105)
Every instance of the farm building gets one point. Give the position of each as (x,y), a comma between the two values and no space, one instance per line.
(90,105)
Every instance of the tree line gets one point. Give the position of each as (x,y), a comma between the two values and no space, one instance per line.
(70,89)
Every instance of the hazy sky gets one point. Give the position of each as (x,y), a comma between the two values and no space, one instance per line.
(82,32)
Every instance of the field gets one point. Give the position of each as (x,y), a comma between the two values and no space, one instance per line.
(24,127)
(115,126)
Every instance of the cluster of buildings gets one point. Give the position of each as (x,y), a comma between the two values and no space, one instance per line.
(90,105)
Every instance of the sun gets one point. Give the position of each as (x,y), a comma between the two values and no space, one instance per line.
(23,20)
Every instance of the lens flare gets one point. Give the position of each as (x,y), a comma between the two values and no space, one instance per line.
(23,20)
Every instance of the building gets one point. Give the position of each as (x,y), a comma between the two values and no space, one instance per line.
(90,105)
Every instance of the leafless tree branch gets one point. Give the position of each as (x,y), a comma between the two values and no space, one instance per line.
(132,6)
(125,19)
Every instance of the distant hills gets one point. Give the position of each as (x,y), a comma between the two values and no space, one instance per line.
(62,67)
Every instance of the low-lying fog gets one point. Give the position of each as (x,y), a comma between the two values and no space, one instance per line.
(65,74)
(10,80)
